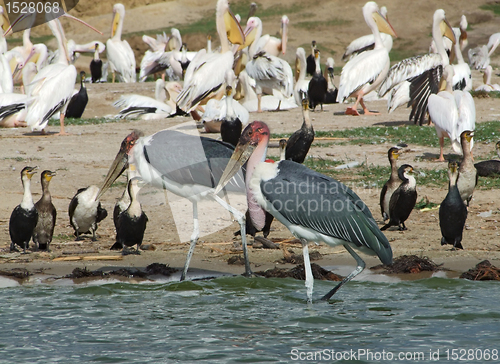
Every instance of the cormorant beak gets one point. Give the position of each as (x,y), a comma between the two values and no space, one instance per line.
(241,153)
(469,136)
(31,171)
(118,166)
(383,24)
(49,176)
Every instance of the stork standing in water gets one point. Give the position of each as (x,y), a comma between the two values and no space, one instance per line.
(186,165)
(324,209)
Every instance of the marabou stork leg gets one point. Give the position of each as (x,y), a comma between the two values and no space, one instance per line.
(355,272)
(194,239)
(308,270)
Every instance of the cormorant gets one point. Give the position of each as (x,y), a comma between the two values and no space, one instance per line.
(44,230)
(467,174)
(96,66)
(85,212)
(79,101)
(24,217)
(318,86)
(300,141)
(392,184)
(452,212)
(403,199)
(489,168)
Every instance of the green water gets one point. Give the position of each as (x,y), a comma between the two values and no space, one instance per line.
(257,320)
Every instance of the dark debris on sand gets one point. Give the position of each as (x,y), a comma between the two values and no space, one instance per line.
(236,260)
(410,264)
(18,273)
(483,271)
(289,256)
(298,272)
(152,269)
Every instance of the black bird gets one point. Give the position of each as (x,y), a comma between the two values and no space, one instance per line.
(310,63)
(121,205)
(392,184)
(489,168)
(300,141)
(230,127)
(403,199)
(332,91)
(44,230)
(452,212)
(96,66)
(132,222)
(467,174)
(282,146)
(85,212)
(79,101)
(24,217)
(318,86)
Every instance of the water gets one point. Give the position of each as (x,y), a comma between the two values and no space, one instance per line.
(240,320)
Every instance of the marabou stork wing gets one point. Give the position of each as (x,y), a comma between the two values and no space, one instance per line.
(325,205)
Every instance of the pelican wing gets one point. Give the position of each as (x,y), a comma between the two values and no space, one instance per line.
(53,94)
(204,77)
(121,59)
(421,88)
(311,200)
(407,69)
(366,43)
(272,72)
(444,114)
(138,104)
(462,77)
(360,70)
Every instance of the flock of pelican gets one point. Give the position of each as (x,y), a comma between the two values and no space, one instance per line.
(247,75)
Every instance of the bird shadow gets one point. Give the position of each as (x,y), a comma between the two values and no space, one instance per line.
(39,134)
(433,157)
(393,123)
(360,111)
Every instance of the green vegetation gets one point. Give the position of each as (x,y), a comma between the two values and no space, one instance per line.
(410,134)
(82,121)
(492,94)
(494,7)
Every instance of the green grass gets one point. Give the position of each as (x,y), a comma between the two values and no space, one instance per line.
(492,94)
(410,134)
(82,121)
(494,7)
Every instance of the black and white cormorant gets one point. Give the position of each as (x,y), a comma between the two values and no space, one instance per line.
(121,205)
(489,168)
(403,199)
(310,62)
(85,212)
(24,217)
(300,141)
(452,212)
(132,222)
(282,146)
(318,86)
(96,66)
(44,230)
(467,174)
(392,184)
(78,101)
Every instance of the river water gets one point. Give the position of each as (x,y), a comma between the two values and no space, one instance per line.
(256,320)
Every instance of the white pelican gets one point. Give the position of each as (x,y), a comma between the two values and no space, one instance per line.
(487,86)
(365,72)
(267,102)
(4,25)
(419,71)
(301,84)
(53,86)
(205,74)
(267,70)
(452,112)
(120,56)
(480,57)
(36,53)
(462,79)
(272,45)
(367,42)
(146,107)
(217,110)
